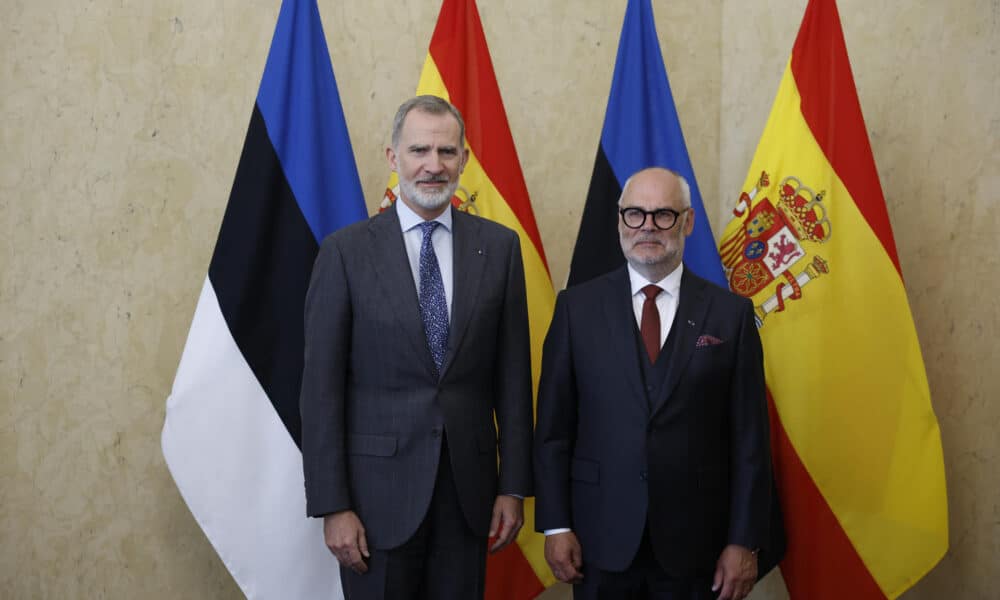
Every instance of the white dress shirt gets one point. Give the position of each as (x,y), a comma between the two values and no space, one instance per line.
(666,304)
(666,301)
(441,239)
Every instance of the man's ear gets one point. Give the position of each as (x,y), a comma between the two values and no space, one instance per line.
(390,156)
(465,159)
(689,222)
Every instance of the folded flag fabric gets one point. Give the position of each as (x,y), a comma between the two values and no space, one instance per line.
(232,431)
(641,129)
(856,443)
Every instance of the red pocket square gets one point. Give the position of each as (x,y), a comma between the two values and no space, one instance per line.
(707,340)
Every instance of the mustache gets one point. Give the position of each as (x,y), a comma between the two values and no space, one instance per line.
(434,179)
(639,239)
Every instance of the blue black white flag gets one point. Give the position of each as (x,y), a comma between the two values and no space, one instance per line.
(232,432)
(641,130)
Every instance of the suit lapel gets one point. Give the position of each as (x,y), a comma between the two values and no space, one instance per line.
(620,317)
(392,268)
(692,309)
(468,262)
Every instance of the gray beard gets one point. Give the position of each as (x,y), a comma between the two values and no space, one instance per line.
(424,200)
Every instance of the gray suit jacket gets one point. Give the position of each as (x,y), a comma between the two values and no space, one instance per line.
(373,411)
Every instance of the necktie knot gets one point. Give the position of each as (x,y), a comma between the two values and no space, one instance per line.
(651,291)
(427,228)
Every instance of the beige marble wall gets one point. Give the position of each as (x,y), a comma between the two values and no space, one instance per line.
(122,125)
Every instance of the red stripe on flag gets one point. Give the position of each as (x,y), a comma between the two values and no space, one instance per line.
(508,575)
(472,87)
(821,563)
(830,106)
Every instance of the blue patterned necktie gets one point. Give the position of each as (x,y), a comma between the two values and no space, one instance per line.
(433,305)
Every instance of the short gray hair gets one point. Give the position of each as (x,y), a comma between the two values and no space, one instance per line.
(427,104)
(685,190)
(685,187)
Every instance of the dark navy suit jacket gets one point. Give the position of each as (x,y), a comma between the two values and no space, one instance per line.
(692,460)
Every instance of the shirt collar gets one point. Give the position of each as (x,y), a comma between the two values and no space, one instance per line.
(409,219)
(670,284)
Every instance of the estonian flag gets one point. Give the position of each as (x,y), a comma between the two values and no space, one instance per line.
(641,130)
(232,431)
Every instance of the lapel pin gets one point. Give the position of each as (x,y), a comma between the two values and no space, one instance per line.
(479,251)
(690,322)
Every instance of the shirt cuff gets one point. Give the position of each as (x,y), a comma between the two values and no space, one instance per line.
(549,532)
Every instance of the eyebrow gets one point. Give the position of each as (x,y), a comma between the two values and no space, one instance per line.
(662,208)
(425,147)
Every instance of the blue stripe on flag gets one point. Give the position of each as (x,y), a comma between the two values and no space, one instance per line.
(234,462)
(641,128)
(302,111)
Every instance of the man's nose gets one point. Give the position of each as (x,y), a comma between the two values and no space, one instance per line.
(434,164)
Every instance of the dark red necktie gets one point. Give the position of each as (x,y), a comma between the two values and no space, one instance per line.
(649,326)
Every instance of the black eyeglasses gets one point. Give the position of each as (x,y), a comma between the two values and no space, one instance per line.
(663,218)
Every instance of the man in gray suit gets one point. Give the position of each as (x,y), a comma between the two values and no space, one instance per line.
(416,343)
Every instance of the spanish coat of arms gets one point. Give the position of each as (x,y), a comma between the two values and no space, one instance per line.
(761,255)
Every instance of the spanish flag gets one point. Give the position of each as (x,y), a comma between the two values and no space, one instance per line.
(856,442)
(458,68)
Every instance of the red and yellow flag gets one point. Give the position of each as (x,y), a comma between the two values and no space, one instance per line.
(458,68)
(856,442)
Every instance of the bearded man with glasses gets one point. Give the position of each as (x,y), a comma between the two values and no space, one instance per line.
(652,456)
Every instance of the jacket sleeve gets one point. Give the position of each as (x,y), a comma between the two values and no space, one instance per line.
(513,407)
(556,429)
(750,458)
(327,322)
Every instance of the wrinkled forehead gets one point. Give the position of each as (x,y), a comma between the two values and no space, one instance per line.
(427,128)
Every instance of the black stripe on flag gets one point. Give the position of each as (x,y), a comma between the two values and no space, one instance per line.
(598,250)
(260,272)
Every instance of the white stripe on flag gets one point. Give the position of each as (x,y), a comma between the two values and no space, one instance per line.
(239,471)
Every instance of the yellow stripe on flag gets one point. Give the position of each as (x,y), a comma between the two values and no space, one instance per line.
(844,367)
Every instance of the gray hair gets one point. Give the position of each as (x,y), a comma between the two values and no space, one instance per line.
(685,187)
(427,104)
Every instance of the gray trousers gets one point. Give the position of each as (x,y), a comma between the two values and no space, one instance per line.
(443,560)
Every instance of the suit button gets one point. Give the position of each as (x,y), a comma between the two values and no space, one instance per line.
(643,475)
(436,432)
(649,389)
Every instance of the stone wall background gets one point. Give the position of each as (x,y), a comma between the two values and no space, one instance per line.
(122,126)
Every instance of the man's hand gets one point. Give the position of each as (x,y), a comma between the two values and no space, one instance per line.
(565,558)
(508,517)
(345,537)
(735,573)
